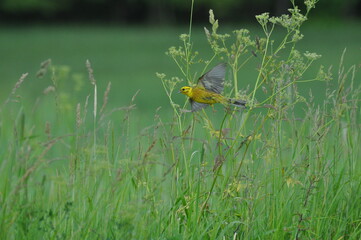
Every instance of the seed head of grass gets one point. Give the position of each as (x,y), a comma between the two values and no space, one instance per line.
(19,82)
(78,115)
(43,68)
(49,90)
(90,71)
(105,98)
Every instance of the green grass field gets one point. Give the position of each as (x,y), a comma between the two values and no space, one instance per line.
(137,171)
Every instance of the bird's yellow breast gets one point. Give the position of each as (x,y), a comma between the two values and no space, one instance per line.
(204,96)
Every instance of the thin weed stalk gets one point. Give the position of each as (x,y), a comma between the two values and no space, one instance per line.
(93,82)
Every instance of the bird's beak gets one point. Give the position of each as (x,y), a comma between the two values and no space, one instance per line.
(179,91)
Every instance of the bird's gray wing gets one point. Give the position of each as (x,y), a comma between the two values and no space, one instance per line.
(214,79)
(196,106)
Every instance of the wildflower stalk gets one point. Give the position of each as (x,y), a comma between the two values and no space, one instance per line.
(216,174)
(256,86)
(169,86)
(187,45)
(235,77)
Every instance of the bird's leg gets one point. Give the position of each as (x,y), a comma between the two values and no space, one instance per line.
(214,110)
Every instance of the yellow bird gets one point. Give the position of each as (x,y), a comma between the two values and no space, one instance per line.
(209,90)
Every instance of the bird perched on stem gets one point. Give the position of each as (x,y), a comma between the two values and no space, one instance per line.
(209,90)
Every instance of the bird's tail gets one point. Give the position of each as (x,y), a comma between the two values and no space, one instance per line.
(237,103)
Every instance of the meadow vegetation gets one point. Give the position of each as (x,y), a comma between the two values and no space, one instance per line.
(286,167)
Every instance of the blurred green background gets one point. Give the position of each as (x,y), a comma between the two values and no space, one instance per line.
(126,42)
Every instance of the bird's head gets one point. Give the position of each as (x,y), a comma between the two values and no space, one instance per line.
(186,91)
